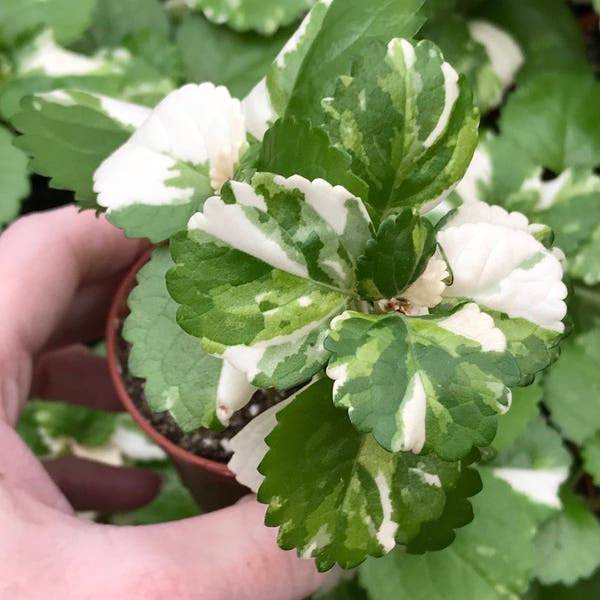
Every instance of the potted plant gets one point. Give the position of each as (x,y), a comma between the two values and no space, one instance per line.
(313,244)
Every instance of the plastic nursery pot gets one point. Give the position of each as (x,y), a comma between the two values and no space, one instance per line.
(211,483)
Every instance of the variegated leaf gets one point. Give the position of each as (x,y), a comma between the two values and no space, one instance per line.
(310,229)
(352,501)
(422,383)
(57,127)
(416,154)
(320,51)
(264,16)
(496,262)
(264,269)
(266,322)
(197,389)
(164,173)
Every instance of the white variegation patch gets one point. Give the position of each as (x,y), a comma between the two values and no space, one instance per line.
(427,478)
(499,264)
(427,290)
(541,486)
(413,414)
(258,110)
(45,55)
(328,201)
(503,51)
(234,391)
(136,445)
(451,96)
(386,534)
(249,446)
(230,224)
(475,325)
(200,125)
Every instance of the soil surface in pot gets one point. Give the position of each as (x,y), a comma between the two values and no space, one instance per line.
(203,442)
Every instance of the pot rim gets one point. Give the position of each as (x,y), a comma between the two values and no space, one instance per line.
(113,327)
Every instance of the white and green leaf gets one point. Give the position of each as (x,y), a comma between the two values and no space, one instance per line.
(422,383)
(496,262)
(56,131)
(352,501)
(320,51)
(162,175)
(263,16)
(418,153)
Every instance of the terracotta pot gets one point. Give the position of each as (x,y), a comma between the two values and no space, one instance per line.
(211,483)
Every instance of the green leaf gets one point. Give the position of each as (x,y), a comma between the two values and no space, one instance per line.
(396,257)
(180,377)
(490,559)
(354,500)
(345,590)
(263,16)
(114,20)
(556,128)
(14,175)
(57,129)
(591,457)
(572,388)
(225,57)
(67,19)
(408,122)
(523,408)
(292,147)
(321,50)
(417,384)
(585,264)
(547,31)
(568,545)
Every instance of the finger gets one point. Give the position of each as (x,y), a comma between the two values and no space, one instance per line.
(45,258)
(94,486)
(85,318)
(227,554)
(75,375)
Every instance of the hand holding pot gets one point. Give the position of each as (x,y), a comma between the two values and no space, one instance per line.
(59,271)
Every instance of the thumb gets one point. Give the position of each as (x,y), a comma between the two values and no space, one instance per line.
(225,554)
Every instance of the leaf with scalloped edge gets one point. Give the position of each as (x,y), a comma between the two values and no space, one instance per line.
(353,500)
(292,147)
(14,175)
(306,69)
(490,559)
(422,383)
(197,389)
(421,149)
(264,269)
(396,256)
(572,388)
(56,131)
(155,181)
(263,16)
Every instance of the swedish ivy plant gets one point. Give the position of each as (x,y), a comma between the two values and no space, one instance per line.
(337,229)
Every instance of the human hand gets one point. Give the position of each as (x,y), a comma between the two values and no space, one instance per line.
(59,271)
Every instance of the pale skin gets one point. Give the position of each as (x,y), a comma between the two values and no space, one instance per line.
(58,272)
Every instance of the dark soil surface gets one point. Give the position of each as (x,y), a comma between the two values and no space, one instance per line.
(203,442)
